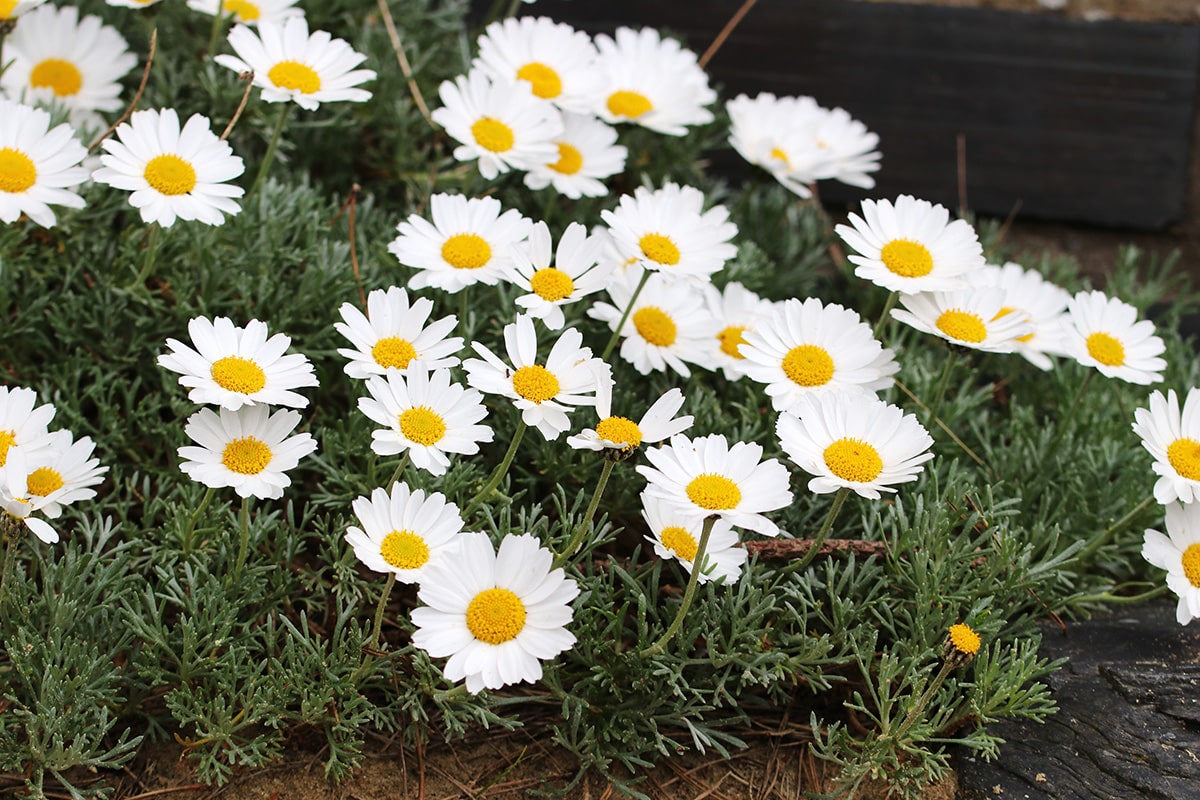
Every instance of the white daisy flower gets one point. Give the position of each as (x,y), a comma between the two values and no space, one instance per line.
(971,318)
(11,9)
(132,3)
(574,275)
(622,434)
(393,334)
(289,64)
(1041,302)
(404,532)
(23,423)
(804,347)
(1105,333)
(706,476)
(16,501)
(737,311)
(667,326)
(587,154)
(854,441)
(250,449)
(248,12)
(425,415)
(1179,554)
(496,615)
(1173,438)
(172,173)
(652,82)
(675,535)
(469,241)
(37,165)
(545,394)
(912,246)
(501,124)
(232,366)
(668,230)
(58,474)
(847,147)
(552,58)
(770,132)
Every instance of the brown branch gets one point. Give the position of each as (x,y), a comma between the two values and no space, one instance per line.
(248,77)
(187,787)
(137,96)
(734,21)
(787,549)
(348,207)
(405,67)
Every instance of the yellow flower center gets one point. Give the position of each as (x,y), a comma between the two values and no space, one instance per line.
(237,374)
(731,338)
(535,383)
(404,550)
(7,440)
(621,431)
(170,175)
(1184,455)
(679,542)
(7,7)
(546,83)
(964,326)
(714,492)
(779,155)
(1106,349)
(907,259)
(466,251)
(17,172)
(492,134)
(628,104)
(655,326)
(62,77)
(808,365)
(659,248)
(296,76)
(43,480)
(246,456)
(495,616)
(552,284)
(422,425)
(392,351)
(853,460)
(1191,564)
(570,160)
(964,639)
(243,10)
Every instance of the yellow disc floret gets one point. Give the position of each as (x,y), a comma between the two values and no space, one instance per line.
(43,480)
(17,171)
(570,160)
(679,542)
(61,77)
(237,374)
(495,616)
(1184,455)
(808,365)
(422,425)
(853,460)
(964,640)
(243,10)
(546,83)
(659,249)
(492,134)
(170,175)
(962,326)
(620,430)
(535,383)
(1106,349)
(295,76)
(714,492)
(552,284)
(907,259)
(1191,564)
(655,326)
(392,351)
(246,456)
(7,440)
(631,105)
(731,338)
(466,251)
(404,550)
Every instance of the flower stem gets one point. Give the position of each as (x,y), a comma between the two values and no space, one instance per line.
(586,524)
(149,257)
(399,470)
(616,334)
(195,518)
(498,473)
(380,608)
(943,383)
(11,536)
(688,593)
(218,25)
(923,701)
(838,501)
(885,315)
(269,156)
(1103,538)
(1069,417)
(244,541)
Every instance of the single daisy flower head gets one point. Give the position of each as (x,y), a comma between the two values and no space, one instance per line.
(545,393)
(233,366)
(962,643)
(132,3)
(58,474)
(555,61)
(248,12)
(854,441)
(805,347)
(468,241)
(425,415)
(974,318)
(1178,552)
(675,535)
(289,64)
(393,334)
(652,82)
(575,273)
(23,423)
(501,125)
(18,503)
(496,614)
(622,435)
(405,531)
(1173,438)
(250,449)
(173,173)
(587,154)
(778,134)
(911,246)
(668,230)
(847,147)
(1105,333)
(706,476)
(1042,303)
(737,311)
(38,165)
(11,9)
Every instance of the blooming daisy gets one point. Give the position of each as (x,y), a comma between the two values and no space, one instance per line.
(405,531)
(424,415)
(972,318)
(552,58)
(847,148)
(16,501)
(250,449)
(1173,438)
(172,173)
(1105,333)
(1179,554)
(706,476)
(963,639)
(676,535)
(59,473)
(393,334)
(501,124)
(37,164)
(233,366)
(668,230)
(11,9)
(587,154)
(469,241)
(652,82)
(290,64)
(496,614)
(770,132)
(805,347)
(573,276)
(248,12)
(911,246)
(854,441)
(737,311)
(624,435)
(22,422)
(570,377)
(1041,302)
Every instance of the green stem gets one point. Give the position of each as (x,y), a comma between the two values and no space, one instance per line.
(888,305)
(11,537)
(194,518)
(464,306)
(616,334)
(688,593)
(1069,417)
(1124,599)
(218,25)
(244,542)
(380,608)
(943,383)
(269,156)
(498,473)
(1103,538)
(838,501)
(399,471)
(149,257)
(923,701)
(586,524)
